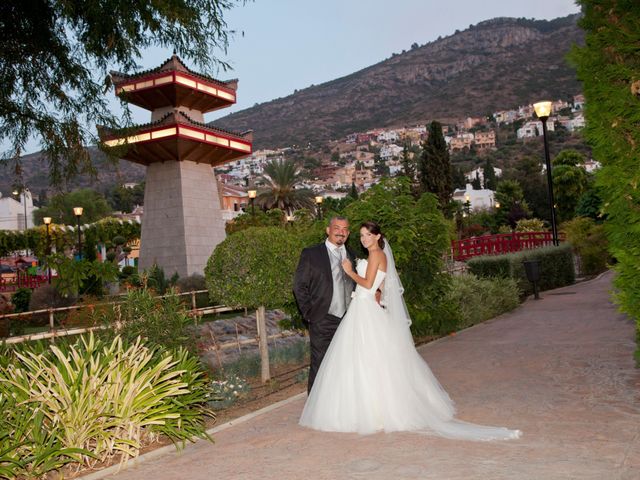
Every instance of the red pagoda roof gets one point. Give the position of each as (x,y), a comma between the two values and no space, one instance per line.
(173,84)
(177,137)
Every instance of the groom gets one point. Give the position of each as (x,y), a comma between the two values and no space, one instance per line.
(323,290)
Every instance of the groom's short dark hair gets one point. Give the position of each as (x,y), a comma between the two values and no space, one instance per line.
(337,218)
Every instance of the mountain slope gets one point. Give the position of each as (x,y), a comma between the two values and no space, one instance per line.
(497,64)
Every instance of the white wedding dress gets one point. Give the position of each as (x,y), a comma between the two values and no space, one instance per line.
(373,379)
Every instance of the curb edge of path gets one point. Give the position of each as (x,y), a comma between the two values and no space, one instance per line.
(171,448)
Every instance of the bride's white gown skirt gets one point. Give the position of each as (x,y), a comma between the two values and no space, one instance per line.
(373,379)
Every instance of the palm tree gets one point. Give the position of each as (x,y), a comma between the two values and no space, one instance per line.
(281,178)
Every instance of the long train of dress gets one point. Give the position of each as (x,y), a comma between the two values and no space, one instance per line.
(373,379)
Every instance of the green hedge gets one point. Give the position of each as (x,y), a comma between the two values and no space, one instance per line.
(556,267)
(478,299)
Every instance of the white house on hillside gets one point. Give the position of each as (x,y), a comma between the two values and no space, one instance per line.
(478,199)
(479,172)
(12,212)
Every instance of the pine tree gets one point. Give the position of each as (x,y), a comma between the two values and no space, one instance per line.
(489,174)
(458,178)
(476,183)
(435,166)
(354,191)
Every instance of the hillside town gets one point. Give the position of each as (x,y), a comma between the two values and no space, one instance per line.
(354,159)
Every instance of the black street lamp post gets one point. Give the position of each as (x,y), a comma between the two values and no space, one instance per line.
(319,199)
(252,199)
(543,110)
(47,222)
(77,211)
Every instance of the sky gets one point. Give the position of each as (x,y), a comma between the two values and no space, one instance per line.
(283,45)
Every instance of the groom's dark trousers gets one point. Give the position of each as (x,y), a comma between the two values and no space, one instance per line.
(313,289)
(320,336)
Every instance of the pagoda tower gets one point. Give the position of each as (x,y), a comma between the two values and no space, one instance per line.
(182,222)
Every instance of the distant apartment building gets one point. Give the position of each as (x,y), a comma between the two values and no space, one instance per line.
(485,140)
(559,105)
(572,123)
(344,176)
(533,129)
(363,177)
(578,102)
(387,152)
(460,142)
(388,136)
(471,122)
(526,111)
(326,171)
(411,136)
(506,116)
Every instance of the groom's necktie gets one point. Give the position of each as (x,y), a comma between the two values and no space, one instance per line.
(338,300)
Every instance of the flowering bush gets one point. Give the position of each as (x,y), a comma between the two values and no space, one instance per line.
(225,393)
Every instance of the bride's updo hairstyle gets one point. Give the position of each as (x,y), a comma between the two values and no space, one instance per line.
(374,228)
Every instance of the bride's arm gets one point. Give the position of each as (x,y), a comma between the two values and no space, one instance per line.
(372,269)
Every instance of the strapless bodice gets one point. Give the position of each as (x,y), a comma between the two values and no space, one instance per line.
(361,269)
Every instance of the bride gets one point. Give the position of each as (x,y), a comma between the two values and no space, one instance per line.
(372,378)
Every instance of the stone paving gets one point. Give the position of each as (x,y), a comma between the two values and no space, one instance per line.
(560,369)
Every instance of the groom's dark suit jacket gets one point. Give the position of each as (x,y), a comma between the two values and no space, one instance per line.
(313,283)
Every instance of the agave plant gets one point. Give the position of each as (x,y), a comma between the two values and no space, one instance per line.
(281,178)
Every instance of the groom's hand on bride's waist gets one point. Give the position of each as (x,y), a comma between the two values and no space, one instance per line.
(378,297)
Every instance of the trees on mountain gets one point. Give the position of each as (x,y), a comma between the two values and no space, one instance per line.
(55,58)
(434,168)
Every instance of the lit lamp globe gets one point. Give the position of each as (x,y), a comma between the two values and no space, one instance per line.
(319,199)
(252,193)
(542,109)
(77,211)
(46,220)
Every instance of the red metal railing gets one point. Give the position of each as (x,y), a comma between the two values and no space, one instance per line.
(12,282)
(501,243)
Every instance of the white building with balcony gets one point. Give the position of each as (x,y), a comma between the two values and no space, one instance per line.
(12,211)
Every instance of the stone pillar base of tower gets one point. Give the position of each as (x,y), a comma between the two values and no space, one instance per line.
(182,222)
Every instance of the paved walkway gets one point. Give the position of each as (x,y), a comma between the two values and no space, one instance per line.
(560,369)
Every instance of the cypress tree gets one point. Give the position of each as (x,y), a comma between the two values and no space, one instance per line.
(435,166)
(489,174)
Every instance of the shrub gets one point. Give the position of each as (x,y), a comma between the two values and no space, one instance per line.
(130,393)
(156,279)
(589,243)
(498,266)
(479,299)
(529,225)
(160,321)
(254,267)
(192,283)
(556,267)
(21,299)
